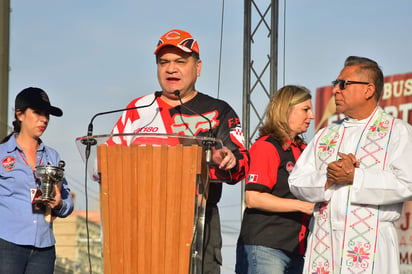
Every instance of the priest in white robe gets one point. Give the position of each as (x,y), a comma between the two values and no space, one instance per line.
(359,172)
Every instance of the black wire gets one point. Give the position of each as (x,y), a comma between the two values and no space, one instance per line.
(284,41)
(201,206)
(87,219)
(220,50)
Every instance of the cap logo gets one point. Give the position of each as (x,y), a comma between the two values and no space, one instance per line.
(44,97)
(173,35)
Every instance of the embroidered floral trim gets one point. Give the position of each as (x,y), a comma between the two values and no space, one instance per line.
(360,257)
(327,144)
(379,128)
(321,270)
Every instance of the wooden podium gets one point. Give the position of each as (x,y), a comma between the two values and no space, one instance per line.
(152,206)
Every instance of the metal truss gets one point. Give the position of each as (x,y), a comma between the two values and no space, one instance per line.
(259,70)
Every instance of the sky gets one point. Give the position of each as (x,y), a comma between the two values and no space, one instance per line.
(94,56)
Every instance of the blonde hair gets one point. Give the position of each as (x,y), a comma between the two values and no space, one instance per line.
(277,112)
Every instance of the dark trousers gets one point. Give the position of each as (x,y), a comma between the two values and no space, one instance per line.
(212,241)
(23,259)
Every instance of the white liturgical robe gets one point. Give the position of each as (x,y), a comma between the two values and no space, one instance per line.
(387,188)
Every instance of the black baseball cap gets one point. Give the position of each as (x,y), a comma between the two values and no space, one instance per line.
(35,98)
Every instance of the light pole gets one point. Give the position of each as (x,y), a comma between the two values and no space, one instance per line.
(4,65)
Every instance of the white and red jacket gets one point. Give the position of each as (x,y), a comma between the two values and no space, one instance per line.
(160,117)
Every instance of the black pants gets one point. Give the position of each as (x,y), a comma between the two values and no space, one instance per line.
(212,241)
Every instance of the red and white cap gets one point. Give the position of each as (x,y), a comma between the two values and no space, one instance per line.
(180,39)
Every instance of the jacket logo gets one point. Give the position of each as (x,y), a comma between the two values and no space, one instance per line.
(8,163)
(290,166)
(193,124)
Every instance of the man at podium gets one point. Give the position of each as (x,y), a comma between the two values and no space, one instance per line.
(180,109)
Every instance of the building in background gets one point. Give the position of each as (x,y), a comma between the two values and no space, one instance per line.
(72,243)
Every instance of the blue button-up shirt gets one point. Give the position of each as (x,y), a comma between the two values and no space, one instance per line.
(18,223)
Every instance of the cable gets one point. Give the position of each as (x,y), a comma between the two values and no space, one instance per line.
(87,218)
(284,41)
(206,186)
(220,50)
(78,186)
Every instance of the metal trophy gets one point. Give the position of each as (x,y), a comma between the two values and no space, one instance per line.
(49,176)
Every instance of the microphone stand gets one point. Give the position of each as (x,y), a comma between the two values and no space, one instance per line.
(208,143)
(198,229)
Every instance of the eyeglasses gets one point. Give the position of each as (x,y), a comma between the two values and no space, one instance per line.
(343,83)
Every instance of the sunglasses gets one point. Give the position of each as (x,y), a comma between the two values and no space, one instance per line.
(343,83)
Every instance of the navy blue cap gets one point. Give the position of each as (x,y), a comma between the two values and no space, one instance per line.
(35,98)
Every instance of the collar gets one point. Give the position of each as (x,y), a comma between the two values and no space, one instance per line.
(174,103)
(12,144)
(351,122)
(288,144)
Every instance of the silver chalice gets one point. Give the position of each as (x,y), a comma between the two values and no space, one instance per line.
(49,176)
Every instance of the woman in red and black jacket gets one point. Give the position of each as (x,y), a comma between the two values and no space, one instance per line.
(274,227)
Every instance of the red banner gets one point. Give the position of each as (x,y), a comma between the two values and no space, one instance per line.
(397,100)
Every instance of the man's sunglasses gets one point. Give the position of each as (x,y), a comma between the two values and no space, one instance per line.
(343,83)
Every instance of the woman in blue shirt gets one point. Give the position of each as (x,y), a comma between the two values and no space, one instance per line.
(26,231)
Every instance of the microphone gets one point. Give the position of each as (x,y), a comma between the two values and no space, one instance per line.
(89,141)
(208,143)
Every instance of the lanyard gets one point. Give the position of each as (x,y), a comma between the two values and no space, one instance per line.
(24,159)
(33,170)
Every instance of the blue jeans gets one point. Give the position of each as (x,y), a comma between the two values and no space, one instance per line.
(23,259)
(255,259)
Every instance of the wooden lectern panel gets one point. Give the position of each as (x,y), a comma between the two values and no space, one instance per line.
(148,204)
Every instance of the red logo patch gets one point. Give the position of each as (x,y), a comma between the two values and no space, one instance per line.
(8,163)
(290,166)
